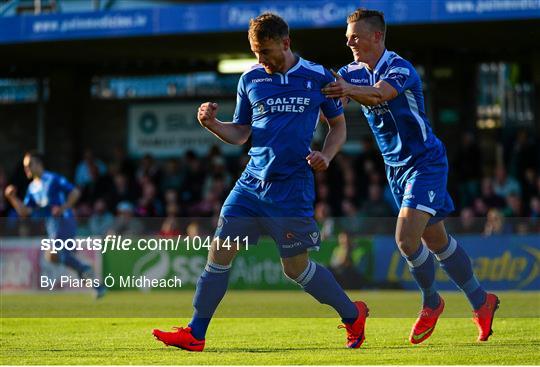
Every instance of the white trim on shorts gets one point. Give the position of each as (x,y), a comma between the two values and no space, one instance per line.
(426,209)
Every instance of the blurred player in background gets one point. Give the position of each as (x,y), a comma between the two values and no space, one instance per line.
(390,92)
(278,104)
(52,197)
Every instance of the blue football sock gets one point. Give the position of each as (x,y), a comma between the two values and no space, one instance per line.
(321,284)
(458,266)
(422,268)
(70,260)
(211,288)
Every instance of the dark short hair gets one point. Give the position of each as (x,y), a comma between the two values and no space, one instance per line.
(267,26)
(34,154)
(374,18)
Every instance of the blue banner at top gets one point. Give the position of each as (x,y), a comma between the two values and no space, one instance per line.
(235,15)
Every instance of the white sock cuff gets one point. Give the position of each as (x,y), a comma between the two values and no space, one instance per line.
(216,268)
(452,245)
(307,274)
(424,254)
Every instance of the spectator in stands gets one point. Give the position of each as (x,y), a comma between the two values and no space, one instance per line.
(101,219)
(173,177)
(148,167)
(534,220)
(480,208)
(149,204)
(495,223)
(375,206)
(514,206)
(171,224)
(342,264)
(503,184)
(523,154)
(535,207)
(351,220)
(323,216)
(125,223)
(218,178)
(322,192)
(467,222)
(122,162)
(467,164)
(335,183)
(529,185)
(195,174)
(89,169)
(122,190)
(488,195)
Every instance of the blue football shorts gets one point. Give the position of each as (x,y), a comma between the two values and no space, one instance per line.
(422,186)
(281,209)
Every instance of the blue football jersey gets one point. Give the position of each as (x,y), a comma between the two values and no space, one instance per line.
(283,111)
(400,126)
(51,190)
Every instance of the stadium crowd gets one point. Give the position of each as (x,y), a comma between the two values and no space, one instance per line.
(352,195)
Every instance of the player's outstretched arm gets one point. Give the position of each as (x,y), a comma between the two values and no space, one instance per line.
(72,199)
(337,134)
(228,132)
(18,205)
(366,95)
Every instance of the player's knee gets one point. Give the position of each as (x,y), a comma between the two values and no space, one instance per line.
(293,271)
(407,244)
(222,255)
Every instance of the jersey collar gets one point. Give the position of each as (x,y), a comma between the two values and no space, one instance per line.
(382,60)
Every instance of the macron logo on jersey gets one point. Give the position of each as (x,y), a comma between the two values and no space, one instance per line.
(287,104)
(261,80)
(360,81)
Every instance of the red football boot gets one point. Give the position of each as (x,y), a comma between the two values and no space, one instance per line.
(181,338)
(425,323)
(355,331)
(483,317)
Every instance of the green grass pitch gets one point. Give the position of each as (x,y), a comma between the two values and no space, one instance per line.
(258,328)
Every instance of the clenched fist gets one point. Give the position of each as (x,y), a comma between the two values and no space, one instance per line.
(318,161)
(11,191)
(207,113)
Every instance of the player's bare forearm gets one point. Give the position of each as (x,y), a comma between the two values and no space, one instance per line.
(72,199)
(366,95)
(337,134)
(229,133)
(21,209)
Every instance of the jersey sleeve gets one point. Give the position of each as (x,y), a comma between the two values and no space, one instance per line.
(331,107)
(344,73)
(64,185)
(400,75)
(242,112)
(29,200)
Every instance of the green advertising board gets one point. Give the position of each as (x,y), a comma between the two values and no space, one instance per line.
(258,267)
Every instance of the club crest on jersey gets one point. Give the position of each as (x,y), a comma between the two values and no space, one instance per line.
(260,107)
(408,188)
(407,194)
(308,84)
